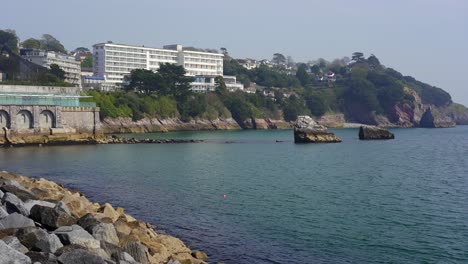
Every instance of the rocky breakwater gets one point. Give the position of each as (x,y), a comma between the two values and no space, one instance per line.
(121,140)
(306,130)
(373,132)
(43,222)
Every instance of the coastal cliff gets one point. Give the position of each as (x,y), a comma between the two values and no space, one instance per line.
(146,125)
(41,221)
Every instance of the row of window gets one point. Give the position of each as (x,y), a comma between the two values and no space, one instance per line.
(198,66)
(126,64)
(203,60)
(172,58)
(125,59)
(125,54)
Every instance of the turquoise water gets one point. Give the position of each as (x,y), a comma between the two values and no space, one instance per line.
(400,201)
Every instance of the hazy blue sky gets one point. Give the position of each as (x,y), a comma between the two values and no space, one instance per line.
(427,39)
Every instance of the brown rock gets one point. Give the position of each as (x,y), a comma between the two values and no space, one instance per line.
(199,255)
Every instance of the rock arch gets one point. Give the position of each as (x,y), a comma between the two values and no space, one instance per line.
(24,119)
(4,119)
(46,119)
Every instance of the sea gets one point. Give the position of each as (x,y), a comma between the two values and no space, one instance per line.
(254,196)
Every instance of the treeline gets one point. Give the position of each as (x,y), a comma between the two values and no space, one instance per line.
(360,88)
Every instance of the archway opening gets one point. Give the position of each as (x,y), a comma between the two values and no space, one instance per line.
(24,119)
(4,119)
(46,119)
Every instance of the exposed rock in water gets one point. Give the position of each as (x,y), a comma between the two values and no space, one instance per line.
(306,130)
(372,132)
(433,119)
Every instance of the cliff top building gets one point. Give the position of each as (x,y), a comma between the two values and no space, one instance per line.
(114,61)
(67,63)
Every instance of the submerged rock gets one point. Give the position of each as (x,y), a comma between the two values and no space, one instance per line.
(373,132)
(306,130)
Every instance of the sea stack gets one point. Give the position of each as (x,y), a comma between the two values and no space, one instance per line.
(306,130)
(374,133)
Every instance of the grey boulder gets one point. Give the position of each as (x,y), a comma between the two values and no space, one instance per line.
(51,218)
(42,257)
(138,251)
(80,256)
(11,256)
(16,220)
(3,212)
(30,203)
(76,235)
(14,204)
(15,244)
(39,240)
(14,187)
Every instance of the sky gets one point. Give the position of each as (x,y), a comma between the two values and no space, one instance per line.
(426,39)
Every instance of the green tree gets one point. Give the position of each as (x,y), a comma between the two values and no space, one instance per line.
(358,56)
(48,42)
(31,43)
(278,58)
(316,105)
(175,80)
(87,62)
(9,40)
(144,81)
(220,86)
(293,107)
(374,63)
(57,72)
(302,75)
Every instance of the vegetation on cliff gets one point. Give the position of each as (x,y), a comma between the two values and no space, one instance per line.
(361,87)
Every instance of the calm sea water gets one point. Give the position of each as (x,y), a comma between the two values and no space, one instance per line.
(399,201)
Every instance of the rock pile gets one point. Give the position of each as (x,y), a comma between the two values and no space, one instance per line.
(373,132)
(120,140)
(42,222)
(306,130)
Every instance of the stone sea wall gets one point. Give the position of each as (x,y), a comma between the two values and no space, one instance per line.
(41,221)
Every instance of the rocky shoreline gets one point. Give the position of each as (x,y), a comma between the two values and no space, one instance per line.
(43,222)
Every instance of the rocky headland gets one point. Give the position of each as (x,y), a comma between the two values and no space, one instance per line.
(43,222)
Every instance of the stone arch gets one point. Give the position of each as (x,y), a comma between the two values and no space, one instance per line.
(46,119)
(4,119)
(24,119)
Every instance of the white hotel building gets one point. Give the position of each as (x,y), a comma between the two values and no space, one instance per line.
(114,61)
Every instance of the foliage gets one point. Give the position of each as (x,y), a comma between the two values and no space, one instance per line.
(302,75)
(293,107)
(87,62)
(57,72)
(31,43)
(50,43)
(9,40)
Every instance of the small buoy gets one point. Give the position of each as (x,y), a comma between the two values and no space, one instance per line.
(225,196)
